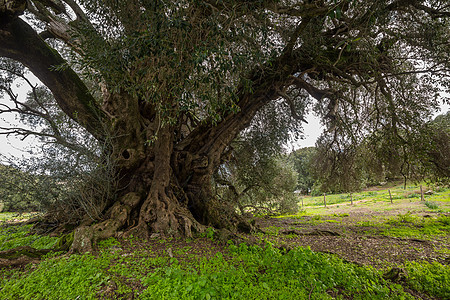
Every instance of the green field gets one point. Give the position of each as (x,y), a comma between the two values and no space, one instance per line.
(378,199)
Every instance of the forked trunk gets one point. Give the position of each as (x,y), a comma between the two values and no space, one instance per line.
(165,193)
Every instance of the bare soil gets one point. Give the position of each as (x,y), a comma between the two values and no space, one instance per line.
(344,233)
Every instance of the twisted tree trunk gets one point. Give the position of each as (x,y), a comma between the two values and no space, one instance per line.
(164,171)
(164,193)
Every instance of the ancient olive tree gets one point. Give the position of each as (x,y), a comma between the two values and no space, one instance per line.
(170,85)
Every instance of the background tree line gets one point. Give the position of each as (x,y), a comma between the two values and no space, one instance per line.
(382,156)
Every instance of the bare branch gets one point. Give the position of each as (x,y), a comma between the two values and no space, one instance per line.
(291,106)
(313,91)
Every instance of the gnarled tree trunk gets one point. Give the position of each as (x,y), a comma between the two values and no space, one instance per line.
(165,192)
(164,170)
(164,186)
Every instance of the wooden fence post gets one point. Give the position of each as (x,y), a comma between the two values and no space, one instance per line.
(325,199)
(421,193)
(390,196)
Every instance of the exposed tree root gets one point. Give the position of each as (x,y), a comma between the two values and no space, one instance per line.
(23,255)
(86,237)
(314,232)
(23,251)
(17,262)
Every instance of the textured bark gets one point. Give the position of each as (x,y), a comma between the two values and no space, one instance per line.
(162,192)
(23,251)
(164,186)
(164,171)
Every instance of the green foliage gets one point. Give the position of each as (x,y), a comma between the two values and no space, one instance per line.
(435,158)
(238,272)
(209,233)
(421,152)
(268,273)
(406,218)
(431,204)
(336,169)
(317,198)
(176,54)
(303,164)
(77,276)
(412,226)
(258,180)
(11,216)
(379,200)
(444,219)
(195,65)
(20,191)
(431,278)
(413,195)
(19,235)
(108,243)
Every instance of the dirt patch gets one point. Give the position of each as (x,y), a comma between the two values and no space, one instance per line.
(354,242)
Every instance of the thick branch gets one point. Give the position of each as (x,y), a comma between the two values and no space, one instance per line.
(291,106)
(20,42)
(312,90)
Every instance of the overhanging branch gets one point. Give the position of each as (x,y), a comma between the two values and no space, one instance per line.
(312,90)
(20,42)
(291,106)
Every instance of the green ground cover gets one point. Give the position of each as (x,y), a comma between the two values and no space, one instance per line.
(237,272)
(438,199)
(202,268)
(16,236)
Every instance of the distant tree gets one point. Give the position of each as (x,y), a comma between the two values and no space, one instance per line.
(19,191)
(416,153)
(258,176)
(171,85)
(303,163)
(336,168)
(437,156)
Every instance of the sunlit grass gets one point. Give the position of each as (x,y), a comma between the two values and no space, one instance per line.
(379,200)
(15,216)
(19,235)
(236,272)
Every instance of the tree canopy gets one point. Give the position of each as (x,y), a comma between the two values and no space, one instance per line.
(168,85)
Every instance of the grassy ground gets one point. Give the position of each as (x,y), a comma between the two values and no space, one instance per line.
(339,252)
(378,199)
